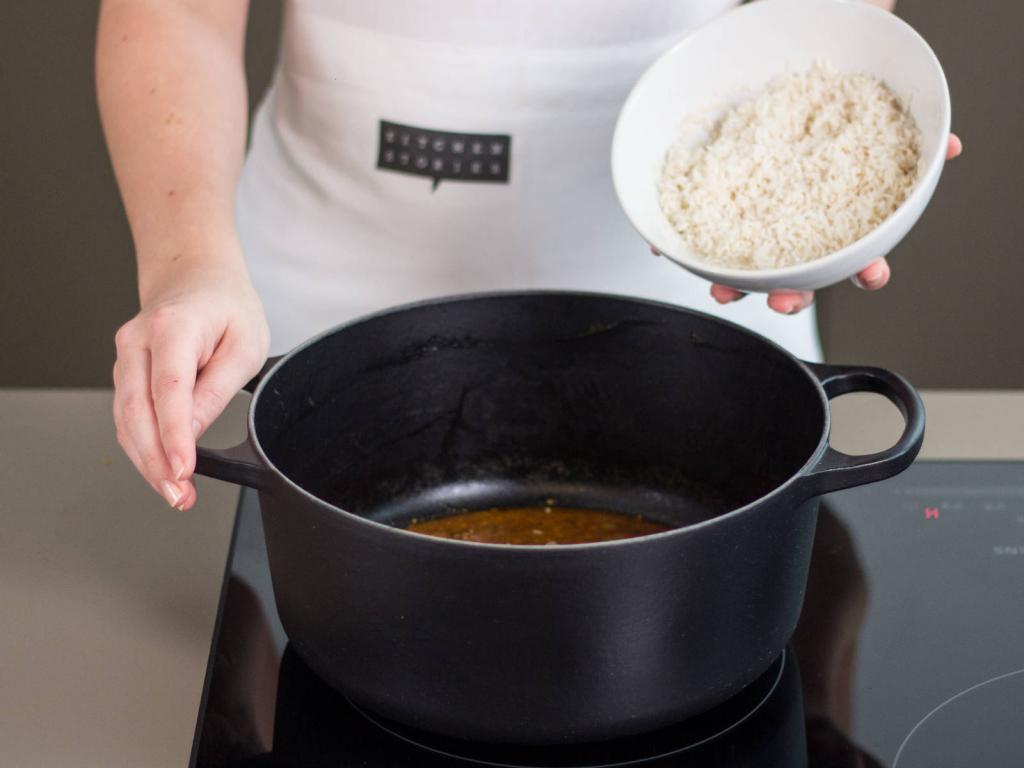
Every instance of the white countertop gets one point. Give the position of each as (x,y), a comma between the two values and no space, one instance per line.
(108,598)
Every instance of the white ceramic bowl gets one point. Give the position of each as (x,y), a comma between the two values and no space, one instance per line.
(743,50)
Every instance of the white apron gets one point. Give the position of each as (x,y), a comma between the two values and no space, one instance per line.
(329,234)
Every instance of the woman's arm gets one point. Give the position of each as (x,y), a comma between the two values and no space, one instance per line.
(172,94)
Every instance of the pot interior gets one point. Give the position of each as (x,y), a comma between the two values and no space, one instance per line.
(515,399)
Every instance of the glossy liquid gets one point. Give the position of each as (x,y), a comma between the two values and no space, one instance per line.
(537,525)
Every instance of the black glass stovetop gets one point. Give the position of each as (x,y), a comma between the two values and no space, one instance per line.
(909,653)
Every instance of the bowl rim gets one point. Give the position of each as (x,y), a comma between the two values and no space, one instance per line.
(777,275)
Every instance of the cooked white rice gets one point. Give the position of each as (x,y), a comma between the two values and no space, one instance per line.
(811,164)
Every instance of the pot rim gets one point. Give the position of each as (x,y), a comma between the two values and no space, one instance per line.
(779,490)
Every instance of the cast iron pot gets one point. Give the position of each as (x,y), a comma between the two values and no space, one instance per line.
(514,399)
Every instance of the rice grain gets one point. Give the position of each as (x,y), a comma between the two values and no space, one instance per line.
(810,165)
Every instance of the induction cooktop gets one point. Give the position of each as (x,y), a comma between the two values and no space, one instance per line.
(909,654)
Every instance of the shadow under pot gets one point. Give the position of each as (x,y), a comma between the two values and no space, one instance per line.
(524,399)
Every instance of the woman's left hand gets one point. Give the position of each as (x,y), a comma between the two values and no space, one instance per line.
(874,276)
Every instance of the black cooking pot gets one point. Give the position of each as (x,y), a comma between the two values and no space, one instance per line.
(514,399)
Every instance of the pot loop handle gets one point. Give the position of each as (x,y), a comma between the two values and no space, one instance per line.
(837,470)
(241,464)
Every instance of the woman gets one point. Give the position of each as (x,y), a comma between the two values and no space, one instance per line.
(404,150)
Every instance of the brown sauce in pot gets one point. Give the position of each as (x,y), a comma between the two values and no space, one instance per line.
(537,525)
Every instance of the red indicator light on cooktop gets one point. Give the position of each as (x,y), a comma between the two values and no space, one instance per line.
(931,513)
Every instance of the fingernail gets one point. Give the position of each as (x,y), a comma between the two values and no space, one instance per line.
(858,282)
(196,427)
(876,281)
(873,277)
(171,493)
(177,467)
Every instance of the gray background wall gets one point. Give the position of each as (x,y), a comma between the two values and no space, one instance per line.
(950,318)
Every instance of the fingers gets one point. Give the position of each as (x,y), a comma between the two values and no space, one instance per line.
(124,441)
(790,302)
(723,294)
(135,418)
(163,401)
(786,302)
(955,147)
(874,276)
(227,371)
(175,358)
(871,278)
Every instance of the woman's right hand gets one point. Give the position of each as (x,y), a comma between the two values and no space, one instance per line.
(179,362)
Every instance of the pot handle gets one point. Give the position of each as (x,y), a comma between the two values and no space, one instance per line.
(240,465)
(837,470)
(250,386)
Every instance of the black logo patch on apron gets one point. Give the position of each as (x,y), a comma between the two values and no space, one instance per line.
(444,155)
